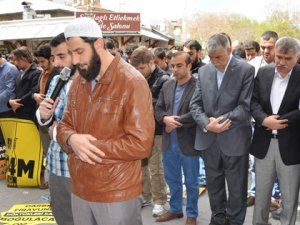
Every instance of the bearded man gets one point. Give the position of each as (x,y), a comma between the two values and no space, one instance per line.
(108,127)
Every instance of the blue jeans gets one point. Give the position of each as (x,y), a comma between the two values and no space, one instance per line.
(202,175)
(174,161)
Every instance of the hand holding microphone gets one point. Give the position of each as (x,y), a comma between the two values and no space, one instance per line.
(64,77)
(48,105)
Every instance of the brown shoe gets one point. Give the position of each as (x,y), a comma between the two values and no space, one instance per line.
(169,216)
(250,201)
(44,186)
(191,221)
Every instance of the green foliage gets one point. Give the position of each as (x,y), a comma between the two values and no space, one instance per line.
(238,27)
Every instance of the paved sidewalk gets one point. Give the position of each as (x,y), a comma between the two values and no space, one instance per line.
(11,196)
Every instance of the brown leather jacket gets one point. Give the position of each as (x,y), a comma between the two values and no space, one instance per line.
(119,113)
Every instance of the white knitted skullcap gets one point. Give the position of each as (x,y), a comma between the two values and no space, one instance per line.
(83,27)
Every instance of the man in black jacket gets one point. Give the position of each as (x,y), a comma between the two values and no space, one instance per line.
(160,60)
(172,110)
(276,140)
(22,102)
(194,49)
(154,185)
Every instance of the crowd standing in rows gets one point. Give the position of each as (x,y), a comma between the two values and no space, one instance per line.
(128,129)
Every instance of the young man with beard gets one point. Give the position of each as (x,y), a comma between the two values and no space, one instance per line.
(154,184)
(194,49)
(43,56)
(107,128)
(267,46)
(173,112)
(45,61)
(56,160)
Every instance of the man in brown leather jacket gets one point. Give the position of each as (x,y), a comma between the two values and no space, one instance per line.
(108,127)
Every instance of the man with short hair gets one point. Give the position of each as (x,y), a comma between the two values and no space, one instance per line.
(172,110)
(128,51)
(276,141)
(160,60)
(267,45)
(43,56)
(154,185)
(110,46)
(22,102)
(56,159)
(252,49)
(8,75)
(221,108)
(238,50)
(107,128)
(194,49)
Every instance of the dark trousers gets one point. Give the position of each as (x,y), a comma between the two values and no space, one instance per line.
(60,193)
(234,170)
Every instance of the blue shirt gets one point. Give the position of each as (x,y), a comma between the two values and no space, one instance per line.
(177,97)
(8,75)
(220,75)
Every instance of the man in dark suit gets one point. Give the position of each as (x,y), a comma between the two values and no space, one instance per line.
(221,108)
(22,102)
(276,140)
(172,110)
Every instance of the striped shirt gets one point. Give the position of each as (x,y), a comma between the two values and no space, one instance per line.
(56,159)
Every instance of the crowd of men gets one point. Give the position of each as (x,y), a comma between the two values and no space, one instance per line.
(127,129)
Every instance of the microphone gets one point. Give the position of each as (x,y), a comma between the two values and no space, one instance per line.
(64,77)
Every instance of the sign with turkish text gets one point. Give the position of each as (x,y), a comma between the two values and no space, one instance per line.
(28,214)
(115,22)
(24,150)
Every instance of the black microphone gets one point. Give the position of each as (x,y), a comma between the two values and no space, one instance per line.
(64,77)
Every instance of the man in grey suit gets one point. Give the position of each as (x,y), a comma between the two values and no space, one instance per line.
(221,108)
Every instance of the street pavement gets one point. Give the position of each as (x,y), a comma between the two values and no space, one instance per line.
(11,196)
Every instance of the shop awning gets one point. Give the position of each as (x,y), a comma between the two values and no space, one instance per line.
(50,27)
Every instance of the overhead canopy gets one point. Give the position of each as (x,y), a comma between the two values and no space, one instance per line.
(32,29)
(48,28)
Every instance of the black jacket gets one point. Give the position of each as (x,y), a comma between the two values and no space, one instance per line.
(155,82)
(164,107)
(25,87)
(195,67)
(289,137)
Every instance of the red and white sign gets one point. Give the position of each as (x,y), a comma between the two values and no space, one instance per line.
(115,22)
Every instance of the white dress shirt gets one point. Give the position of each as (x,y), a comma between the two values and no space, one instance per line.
(279,86)
(258,62)
(220,75)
